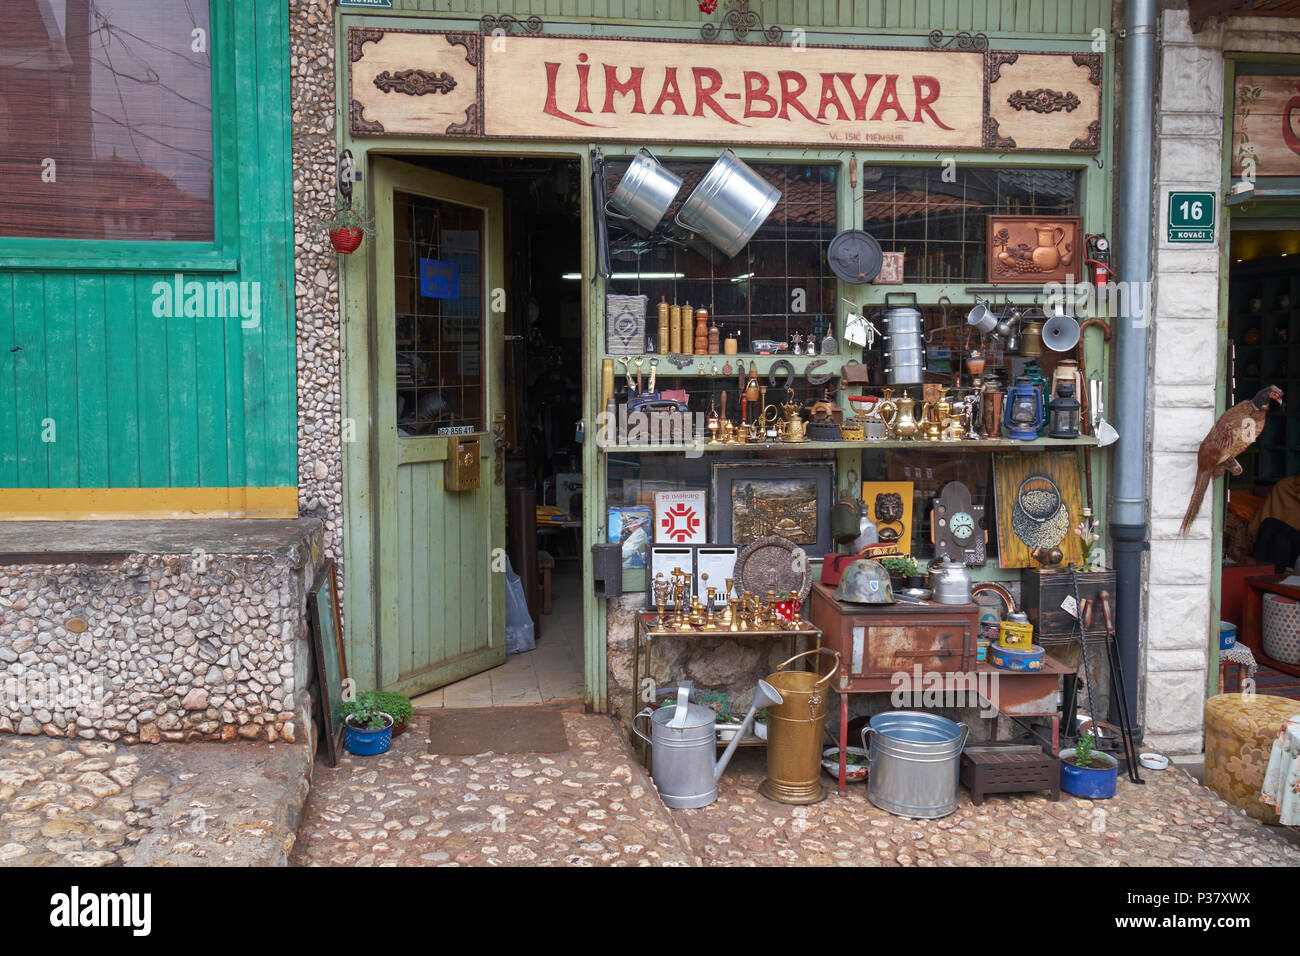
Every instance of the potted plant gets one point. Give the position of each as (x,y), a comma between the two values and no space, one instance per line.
(760,724)
(367,730)
(347,226)
(856,766)
(398,706)
(901,572)
(1085,772)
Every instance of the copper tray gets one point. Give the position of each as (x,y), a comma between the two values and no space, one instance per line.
(773,564)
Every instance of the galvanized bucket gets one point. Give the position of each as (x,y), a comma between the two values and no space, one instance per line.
(728,205)
(794,733)
(645,192)
(914,761)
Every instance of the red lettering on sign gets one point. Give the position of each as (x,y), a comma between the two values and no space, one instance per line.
(704,94)
(927,91)
(792,87)
(670,94)
(1288,136)
(756,89)
(613,86)
(889,100)
(859,102)
(583,69)
(830,98)
(551,108)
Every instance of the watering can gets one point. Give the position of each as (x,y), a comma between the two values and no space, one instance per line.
(684,739)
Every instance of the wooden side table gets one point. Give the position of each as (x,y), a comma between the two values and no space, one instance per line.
(1252,618)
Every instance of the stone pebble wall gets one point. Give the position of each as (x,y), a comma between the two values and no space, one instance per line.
(316,272)
(159,647)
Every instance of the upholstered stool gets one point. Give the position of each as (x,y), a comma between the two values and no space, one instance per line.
(1239,735)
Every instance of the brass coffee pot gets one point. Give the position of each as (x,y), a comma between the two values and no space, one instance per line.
(905,425)
(793,428)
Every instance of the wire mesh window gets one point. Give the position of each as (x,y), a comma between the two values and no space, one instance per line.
(779,284)
(939,226)
(438,305)
(106,119)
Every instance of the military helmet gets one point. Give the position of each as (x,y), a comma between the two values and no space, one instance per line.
(865,581)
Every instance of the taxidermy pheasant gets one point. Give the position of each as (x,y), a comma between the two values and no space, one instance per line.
(1234,432)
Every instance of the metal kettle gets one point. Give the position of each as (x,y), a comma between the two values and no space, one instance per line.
(950,582)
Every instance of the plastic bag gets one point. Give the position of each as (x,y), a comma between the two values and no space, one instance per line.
(519,625)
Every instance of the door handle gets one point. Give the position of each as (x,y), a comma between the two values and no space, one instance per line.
(499,444)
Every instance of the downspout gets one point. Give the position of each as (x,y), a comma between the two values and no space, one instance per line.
(1128,516)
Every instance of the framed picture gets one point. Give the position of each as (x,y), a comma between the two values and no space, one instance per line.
(331,664)
(889,504)
(630,529)
(753,500)
(1039,501)
(1034,249)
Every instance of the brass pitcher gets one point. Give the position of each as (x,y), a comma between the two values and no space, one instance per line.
(905,425)
(931,422)
(793,428)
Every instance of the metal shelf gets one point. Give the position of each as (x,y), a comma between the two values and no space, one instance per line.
(985,444)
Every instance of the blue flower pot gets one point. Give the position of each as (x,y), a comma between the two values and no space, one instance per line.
(367,743)
(1096,782)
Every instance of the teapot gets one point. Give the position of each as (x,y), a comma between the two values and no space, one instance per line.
(950,582)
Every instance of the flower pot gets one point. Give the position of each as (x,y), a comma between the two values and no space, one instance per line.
(1096,782)
(367,743)
(760,729)
(346,241)
(853,772)
(399,728)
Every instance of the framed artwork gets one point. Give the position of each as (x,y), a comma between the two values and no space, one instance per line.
(753,500)
(331,664)
(679,517)
(889,503)
(630,529)
(1034,249)
(1039,501)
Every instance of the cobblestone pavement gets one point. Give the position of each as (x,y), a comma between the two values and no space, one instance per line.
(1171,820)
(592,805)
(95,803)
(588,806)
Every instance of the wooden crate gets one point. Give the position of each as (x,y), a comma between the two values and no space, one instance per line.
(1016,768)
(1041,594)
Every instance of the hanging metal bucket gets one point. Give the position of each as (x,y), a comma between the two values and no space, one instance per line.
(914,761)
(728,205)
(794,733)
(645,192)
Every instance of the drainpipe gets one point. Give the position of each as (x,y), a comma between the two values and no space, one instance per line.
(1128,516)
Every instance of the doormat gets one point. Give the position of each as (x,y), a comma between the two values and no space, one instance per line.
(503,731)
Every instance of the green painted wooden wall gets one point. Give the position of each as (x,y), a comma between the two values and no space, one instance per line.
(142,401)
(984,16)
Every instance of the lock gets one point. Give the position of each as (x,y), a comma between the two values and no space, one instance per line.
(461,470)
(580,432)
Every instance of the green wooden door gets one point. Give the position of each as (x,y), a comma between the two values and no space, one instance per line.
(437,359)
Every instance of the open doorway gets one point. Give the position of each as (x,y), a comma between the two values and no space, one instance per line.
(1262,520)
(543,377)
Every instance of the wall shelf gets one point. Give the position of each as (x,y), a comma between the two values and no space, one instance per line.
(983,444)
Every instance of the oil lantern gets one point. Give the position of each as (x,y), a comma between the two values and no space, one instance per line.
(1064,412)
(1023,413)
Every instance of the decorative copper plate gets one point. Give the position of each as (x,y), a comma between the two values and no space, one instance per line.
(773,564)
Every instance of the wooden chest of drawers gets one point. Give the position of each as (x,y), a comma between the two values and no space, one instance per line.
(1041,594)
(877,641)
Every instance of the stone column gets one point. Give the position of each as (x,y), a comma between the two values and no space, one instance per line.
(1184,356)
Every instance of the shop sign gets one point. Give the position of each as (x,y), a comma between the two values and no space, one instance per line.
(439,280)
(376,4)
(1190,217)
(436,84)
(1266,126)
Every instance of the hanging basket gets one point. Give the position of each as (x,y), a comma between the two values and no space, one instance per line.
(346,241)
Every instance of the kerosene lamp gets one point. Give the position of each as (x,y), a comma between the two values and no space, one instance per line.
(1023,414)
(1064,412)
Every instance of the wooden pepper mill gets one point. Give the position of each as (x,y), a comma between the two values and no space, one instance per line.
(702,332)
(685,322)
(675,329)
(665,337)
(715,339)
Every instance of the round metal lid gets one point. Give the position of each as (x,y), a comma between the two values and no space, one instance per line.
(855,256)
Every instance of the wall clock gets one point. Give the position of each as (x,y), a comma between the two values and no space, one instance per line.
(957,526)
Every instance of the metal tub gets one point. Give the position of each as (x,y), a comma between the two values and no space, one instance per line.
(728,205)
(645,192)
(915,759)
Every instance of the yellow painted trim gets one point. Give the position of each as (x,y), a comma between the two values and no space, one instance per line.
(118,504)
